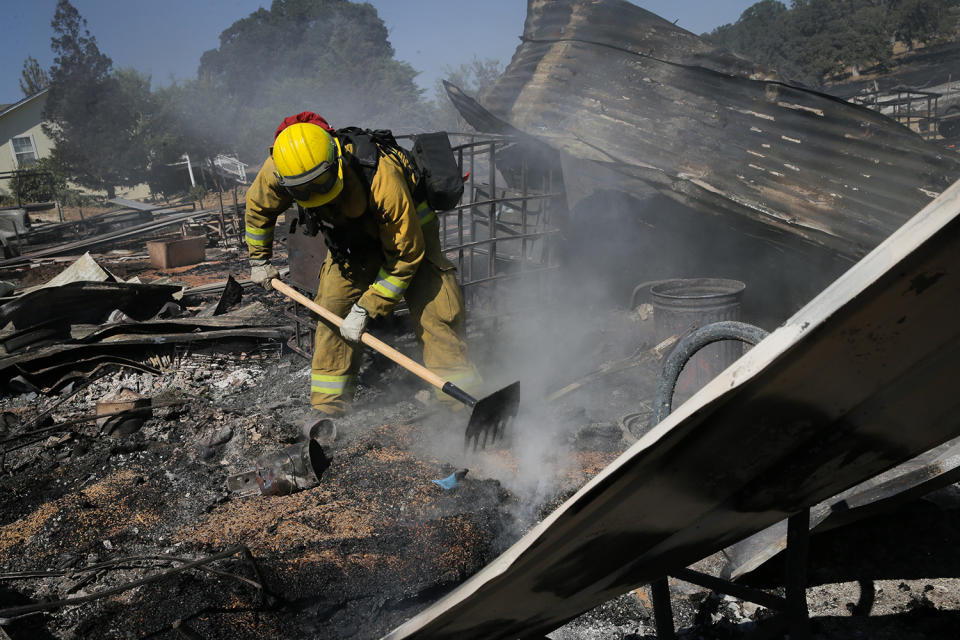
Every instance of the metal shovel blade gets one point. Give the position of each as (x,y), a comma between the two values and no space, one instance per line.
(491,415)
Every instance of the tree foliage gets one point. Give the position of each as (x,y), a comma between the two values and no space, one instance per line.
(43,182)
(922,20)
(98,118)
(328,56)
(815,39)
(33,77)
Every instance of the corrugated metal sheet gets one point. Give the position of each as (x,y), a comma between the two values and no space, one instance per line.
(611,83)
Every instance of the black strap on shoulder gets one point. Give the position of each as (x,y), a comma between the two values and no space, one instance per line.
(365,155)
(368,146)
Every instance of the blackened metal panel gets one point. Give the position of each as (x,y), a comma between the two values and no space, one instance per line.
(85,303)
(610,83)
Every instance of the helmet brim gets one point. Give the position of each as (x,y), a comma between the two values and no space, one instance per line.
(320,199)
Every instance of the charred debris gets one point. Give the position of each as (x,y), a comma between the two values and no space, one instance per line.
(158,479)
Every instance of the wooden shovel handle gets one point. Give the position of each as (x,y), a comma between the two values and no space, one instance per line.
(379,346)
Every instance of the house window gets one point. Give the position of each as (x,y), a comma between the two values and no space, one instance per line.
(24,151)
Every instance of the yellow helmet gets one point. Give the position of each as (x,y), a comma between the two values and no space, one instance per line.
(309,164)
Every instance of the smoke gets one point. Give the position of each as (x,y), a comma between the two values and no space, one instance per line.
(552,329)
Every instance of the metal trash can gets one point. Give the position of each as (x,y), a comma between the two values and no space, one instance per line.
(679,306)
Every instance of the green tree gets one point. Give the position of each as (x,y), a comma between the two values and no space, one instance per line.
(328,56)
(33,77)
(43,182)
(97,118)
(922,21)
(815,39)
(768,33)
(867,39)
(759,31)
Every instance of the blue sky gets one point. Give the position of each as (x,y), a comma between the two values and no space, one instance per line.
(166,38)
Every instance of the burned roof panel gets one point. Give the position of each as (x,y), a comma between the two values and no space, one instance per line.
(855,383)
(613,84)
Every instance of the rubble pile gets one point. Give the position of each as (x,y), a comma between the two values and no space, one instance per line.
(91,509)
(142,408)
(116,519)
(373,543)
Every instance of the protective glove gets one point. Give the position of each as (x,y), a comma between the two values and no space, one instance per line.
(262,272)
(354,324)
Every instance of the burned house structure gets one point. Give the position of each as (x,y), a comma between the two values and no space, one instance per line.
(682,160)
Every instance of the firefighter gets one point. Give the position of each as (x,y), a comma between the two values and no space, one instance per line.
(382,247)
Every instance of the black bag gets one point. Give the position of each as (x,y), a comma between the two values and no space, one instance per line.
(439,173)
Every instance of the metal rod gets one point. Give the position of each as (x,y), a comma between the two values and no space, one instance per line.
(223,223)
(508,276)
(459,210)
(537,234)
(523,213)
(798,544)
(720,585)
(492,214)
(236,218)
(481,203)
(473,212)
(485,142)
(662,610)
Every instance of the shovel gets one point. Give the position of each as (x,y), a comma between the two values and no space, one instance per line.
(490,414)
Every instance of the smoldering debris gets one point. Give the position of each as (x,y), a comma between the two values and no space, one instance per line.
(368,544)
(208,507)
(89,496)
(376,529)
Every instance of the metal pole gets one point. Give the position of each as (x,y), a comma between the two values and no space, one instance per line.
(236,219)
(473,211)
(193,182)
(662,610)
(492,215)
(798,543)
(523,214)
(223,223)
(460,219)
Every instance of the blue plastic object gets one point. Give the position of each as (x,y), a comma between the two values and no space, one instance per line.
(452,480)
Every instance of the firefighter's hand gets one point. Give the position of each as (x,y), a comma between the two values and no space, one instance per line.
(262,272)
(354,324)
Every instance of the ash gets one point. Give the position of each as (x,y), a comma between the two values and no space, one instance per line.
(376,541)
(372,544)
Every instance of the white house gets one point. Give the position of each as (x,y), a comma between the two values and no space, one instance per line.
(22,141)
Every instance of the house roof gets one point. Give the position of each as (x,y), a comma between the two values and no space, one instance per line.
(626,92)
(7,108)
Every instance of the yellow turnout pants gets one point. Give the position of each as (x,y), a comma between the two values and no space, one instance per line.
(436,309)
